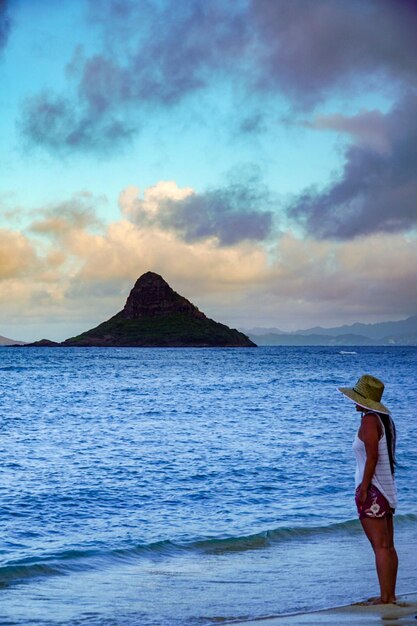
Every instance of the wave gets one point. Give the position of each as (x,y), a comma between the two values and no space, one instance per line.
(16,368)
(65,562)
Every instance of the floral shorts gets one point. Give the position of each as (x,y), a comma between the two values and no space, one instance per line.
(375,505)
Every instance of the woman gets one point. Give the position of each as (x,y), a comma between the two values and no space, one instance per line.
(376,495)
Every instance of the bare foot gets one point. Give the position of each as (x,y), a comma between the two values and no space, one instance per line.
(378,600)
(368,602)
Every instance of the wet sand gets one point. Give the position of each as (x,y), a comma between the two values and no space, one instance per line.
(404,613)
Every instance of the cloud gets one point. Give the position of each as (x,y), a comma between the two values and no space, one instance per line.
(77,271)
(304,50)
(253,124)
(81,261)
(70,274)
(308,283)
(60,125)
(229,214)
(154,55)
(367,128)
(298,281)
(377,189)
(4,23)
(60,220)
(17,255)
(348,274)
(172,48)
(125,251)
(310,49)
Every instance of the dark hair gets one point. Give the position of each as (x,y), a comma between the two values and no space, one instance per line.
(391,435)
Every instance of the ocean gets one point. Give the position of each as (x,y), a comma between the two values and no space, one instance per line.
(162,487)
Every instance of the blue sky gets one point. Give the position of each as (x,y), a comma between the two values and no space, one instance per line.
(257,154)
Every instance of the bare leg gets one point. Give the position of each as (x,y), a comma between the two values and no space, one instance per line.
(380,533)
(390,521)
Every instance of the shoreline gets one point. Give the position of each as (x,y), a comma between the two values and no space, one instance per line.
(404,613)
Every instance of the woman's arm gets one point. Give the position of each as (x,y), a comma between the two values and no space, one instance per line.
(369,433)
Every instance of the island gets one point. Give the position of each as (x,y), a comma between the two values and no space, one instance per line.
(156,316)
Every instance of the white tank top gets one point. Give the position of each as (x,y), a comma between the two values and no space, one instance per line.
(382,478)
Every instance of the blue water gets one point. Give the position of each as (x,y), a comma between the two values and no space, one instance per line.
(190,486)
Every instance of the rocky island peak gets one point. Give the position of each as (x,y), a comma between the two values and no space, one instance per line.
(151,296)
(157,316)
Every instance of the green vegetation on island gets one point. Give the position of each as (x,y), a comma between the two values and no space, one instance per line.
(175,330)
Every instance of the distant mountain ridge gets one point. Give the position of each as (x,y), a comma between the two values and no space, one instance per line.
(402,332)
(379,330)
(4,341)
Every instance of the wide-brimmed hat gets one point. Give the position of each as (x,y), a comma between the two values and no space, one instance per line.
(367,393)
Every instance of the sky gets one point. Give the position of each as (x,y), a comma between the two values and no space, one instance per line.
(261,155)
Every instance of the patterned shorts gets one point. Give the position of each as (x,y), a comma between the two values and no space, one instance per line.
(375,505)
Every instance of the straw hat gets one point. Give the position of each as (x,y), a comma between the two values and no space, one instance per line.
(367,393)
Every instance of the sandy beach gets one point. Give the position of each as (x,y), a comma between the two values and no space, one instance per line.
(402,614)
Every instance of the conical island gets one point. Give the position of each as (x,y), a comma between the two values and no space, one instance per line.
(156,316)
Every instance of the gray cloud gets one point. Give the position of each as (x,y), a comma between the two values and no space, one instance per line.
(253,124)
(366,128)
(4,23)
(377,191)
(233,213)
(307,49)
(155,54)
(60,126)
(172,48)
